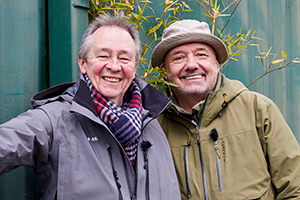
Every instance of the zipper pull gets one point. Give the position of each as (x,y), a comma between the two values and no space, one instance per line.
(145,146)
(214,136)
(217,150)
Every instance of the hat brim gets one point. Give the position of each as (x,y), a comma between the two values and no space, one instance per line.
(165,45)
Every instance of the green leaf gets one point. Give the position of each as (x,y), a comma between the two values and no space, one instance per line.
(276,62)
(229,49)
(267,54)
(145,1)
(241,29)
(186,6)
(121,5)
(283,54)
(234,59)
(224,15)
(236,54)
(153,30)
(140,13)
(248,33)
(296,60)
(237,42)
(206,15)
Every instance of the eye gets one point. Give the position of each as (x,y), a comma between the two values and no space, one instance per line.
(178,58)
(201,54)
(102,56)
(124,58)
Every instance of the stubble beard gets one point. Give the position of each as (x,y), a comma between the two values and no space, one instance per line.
(202,91)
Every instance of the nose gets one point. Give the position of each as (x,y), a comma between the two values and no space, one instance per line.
(114,65)
(191,63)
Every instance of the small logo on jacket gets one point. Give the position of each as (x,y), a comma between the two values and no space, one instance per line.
(93,139)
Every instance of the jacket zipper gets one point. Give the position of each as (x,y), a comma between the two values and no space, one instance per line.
(202,168)
(115,173)
(132,191)
(145,147)
(204,182)
(186,170)
(214,135)
(218,166)
(200,152)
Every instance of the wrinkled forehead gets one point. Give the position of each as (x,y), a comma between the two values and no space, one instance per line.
(195,46)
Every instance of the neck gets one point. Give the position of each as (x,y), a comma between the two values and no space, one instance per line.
(187,102)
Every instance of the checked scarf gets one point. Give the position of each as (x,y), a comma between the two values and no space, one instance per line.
(124,122)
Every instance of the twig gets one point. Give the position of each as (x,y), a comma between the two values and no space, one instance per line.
(230,17)
(266,73)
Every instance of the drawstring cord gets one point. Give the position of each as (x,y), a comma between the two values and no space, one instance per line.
(224,104)
(225,100)
(189,140)
(115,173)
(185,128)
(145,146)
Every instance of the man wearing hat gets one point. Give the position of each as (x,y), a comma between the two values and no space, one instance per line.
(227,142)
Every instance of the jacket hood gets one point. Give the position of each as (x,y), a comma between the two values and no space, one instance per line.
(220,99)
(216,100)
(54,93)
(153,100)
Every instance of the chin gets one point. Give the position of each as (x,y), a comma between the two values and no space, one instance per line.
(192,92)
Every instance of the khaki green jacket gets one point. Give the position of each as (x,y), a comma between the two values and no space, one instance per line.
(240,147)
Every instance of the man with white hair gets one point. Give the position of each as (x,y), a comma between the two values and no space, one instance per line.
(98,138)
(227,142)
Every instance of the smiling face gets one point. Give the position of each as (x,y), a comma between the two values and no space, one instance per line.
(111,62)
(194,68)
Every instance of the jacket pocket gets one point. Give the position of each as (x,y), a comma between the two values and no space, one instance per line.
(244,167)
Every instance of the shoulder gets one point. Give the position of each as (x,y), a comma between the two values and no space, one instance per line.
(259,100)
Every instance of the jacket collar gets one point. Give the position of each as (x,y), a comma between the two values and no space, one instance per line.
(154,102)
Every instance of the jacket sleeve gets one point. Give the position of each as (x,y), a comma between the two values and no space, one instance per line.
(282,150)
(24,140)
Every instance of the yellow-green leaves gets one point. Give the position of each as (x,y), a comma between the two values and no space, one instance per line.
(142,11)
(237,43)
(274,65)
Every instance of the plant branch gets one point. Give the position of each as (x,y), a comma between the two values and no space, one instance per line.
(266,73)
(230,15)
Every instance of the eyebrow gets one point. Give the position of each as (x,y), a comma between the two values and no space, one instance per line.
(98,50)
(202,49)
(197,49)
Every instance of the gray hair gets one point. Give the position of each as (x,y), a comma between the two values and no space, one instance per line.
(108,20)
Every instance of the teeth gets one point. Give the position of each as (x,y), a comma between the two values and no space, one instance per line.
(112,79)
(192,77)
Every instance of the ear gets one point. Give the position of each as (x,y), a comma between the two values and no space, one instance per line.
(218,66)
(82,65)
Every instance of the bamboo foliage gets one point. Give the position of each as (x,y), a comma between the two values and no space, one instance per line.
(141,12)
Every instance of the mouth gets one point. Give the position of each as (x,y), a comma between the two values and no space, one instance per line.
(193,77)
(111,79)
